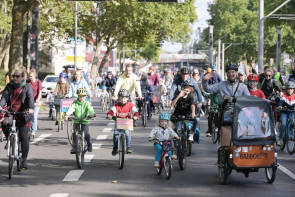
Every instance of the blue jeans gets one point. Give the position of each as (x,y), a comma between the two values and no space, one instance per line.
(35,120)
(195,128)
(284,126)
(115,138)
(158,148)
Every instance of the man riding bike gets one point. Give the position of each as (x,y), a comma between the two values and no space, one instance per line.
(109,82)
(268,85)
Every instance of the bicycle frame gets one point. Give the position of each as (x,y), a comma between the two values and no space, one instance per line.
(13,132)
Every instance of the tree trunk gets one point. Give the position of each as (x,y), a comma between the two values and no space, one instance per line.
(94,71)
(16,44)
(104,59)
(6,60)
(3,49)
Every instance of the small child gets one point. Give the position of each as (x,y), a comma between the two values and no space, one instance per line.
(82,109)
(162,133)
(103,95)
(123,109)
(50,100)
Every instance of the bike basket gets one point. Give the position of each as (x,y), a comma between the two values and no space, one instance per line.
(65,104)
(125,124)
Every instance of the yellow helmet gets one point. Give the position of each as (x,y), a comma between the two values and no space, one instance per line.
(82,92)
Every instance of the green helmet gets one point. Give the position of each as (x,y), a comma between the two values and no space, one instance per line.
(82,92)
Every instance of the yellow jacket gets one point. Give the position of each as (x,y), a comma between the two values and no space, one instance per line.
(129,83)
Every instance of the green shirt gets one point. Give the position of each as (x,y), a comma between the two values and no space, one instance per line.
(81,110)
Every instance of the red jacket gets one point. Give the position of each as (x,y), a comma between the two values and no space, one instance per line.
(257,93)
(123,111)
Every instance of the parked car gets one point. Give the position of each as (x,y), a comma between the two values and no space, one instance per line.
(49,82)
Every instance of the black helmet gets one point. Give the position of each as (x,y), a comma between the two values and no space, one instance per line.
(231,66)
(110,73)
(187,83)
(124,93)
(185,70)
(290,85)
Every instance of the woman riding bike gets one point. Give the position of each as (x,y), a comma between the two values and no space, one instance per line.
(76,83)
(147,90)
(18,96)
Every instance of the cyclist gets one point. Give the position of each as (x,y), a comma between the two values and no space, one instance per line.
(130,82)
(184,105)
(109,82)
(153,76)
(81,108)
(77,82)
(123,109)
(268,85)
(162,133)
(288,101)
(252,86)
(230,87)
(104,95)
(168,79)
(146,90)
(18,96)
(216,78)
(62,87)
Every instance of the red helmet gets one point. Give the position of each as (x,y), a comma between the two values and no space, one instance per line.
(252,77)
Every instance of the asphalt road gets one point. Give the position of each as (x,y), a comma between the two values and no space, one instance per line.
(53,173)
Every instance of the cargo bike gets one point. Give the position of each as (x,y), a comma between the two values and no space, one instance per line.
(247,138)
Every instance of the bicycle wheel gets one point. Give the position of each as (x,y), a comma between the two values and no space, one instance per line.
(284,142)
(19,159)
(291,140)
(214,136)
(11,156)
(181,155)
(144,113)
(70,131)
(167,167)
(79,151)
(121,147)
(270,174)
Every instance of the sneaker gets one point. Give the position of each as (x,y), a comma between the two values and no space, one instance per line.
(6,146)
(56,122)
(129,150)
(73,151)
(191,137)
(114,151)
(174,157)
(24,165)
(89,147)
(33,134)
(208,134)
(157,164)
(280,142)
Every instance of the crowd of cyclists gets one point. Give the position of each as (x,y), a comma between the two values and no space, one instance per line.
(188,92)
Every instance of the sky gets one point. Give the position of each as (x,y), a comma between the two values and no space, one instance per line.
(203,16)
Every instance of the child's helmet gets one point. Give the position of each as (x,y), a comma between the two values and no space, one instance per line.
(123,93)
(104,87)
(82,92)
(290,85)
(252,77)
(64,75)
(164,116)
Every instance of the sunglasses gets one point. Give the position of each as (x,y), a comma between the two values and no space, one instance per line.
(16,76)
(195,73)
(268,75)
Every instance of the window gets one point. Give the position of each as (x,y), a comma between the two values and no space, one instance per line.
(52,79)
(253,122)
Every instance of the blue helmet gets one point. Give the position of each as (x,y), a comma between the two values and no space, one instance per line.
(64,75)
(164,116)
(104,87)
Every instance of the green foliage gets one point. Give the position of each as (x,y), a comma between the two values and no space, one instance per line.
(2,78)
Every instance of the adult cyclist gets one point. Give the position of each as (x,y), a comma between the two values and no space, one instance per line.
(109,82)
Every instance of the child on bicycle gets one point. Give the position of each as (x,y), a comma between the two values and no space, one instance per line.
(103,95)
(184,106)
(162,133)
(82,109)
(288,101)
(123,109)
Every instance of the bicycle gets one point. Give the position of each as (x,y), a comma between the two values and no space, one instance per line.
(143,107)
(121,125)
(214,123)
(78,139)
(289,135)
(185,146)
(13,146)
(62,105)
(166,161)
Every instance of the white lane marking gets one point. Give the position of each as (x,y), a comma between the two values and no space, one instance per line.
(41,137)
(102,137)
(110,124)
(107,130)
(286,171)
(96,146)
(88,158)
(59,195)
(73,175)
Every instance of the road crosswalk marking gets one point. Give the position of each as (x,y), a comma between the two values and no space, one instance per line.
(102,137)
(59,195)
(107,130)
(88,158)
(73,175)
(96,146)
(40,138)
(286,171)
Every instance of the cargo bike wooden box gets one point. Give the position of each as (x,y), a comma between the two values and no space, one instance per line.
(248,142)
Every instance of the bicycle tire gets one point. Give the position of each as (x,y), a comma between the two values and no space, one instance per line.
(167,168)
(214,136)
(159,170)
(144,113)
(11,156)
(19,159)
(189,148)
(121,151)
(79,151)
(181,157)
(284,142)
(223,167)
(69,132)
(291,140)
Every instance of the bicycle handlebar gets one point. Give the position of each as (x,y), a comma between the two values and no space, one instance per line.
(13,113)
(184,118)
